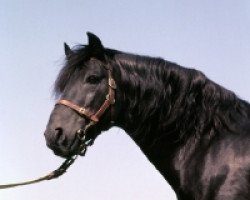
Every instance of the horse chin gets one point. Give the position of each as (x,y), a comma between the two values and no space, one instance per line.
(64,153)
(72,150)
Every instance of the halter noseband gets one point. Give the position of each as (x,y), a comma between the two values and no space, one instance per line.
(94,117)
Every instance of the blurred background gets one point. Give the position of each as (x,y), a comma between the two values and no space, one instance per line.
(211,36)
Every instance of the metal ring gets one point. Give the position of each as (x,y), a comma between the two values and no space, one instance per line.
(80,134)
(82,150)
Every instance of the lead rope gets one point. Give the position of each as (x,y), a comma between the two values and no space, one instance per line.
(52,175)
(64,166)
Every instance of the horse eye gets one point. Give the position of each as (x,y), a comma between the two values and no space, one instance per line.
(93,79)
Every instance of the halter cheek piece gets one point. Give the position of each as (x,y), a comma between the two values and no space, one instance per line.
(94,117)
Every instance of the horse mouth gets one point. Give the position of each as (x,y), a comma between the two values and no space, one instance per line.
(67,147)
(78,146)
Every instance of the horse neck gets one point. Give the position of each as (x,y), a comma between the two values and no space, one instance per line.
(167,109)
(146,108)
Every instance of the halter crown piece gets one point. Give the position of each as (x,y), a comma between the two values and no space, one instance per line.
(94,118)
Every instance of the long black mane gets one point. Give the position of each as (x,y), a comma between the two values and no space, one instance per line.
(177,98)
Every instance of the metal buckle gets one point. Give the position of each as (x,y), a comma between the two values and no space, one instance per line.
(112,83)
(82,110)
(112,101)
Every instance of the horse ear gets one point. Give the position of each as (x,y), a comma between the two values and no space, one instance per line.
(67,50)
(95,46)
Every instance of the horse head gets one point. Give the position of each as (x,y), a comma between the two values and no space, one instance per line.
(86,91)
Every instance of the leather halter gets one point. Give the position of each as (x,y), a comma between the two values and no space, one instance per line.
(109,101)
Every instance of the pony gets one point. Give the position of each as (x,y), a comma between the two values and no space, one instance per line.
(195,132)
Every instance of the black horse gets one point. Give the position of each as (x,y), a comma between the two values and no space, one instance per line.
(195,132)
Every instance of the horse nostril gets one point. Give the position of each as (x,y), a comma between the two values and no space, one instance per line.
(58,133)
(60,137)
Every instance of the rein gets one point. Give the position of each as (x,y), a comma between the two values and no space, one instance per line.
(81,133)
